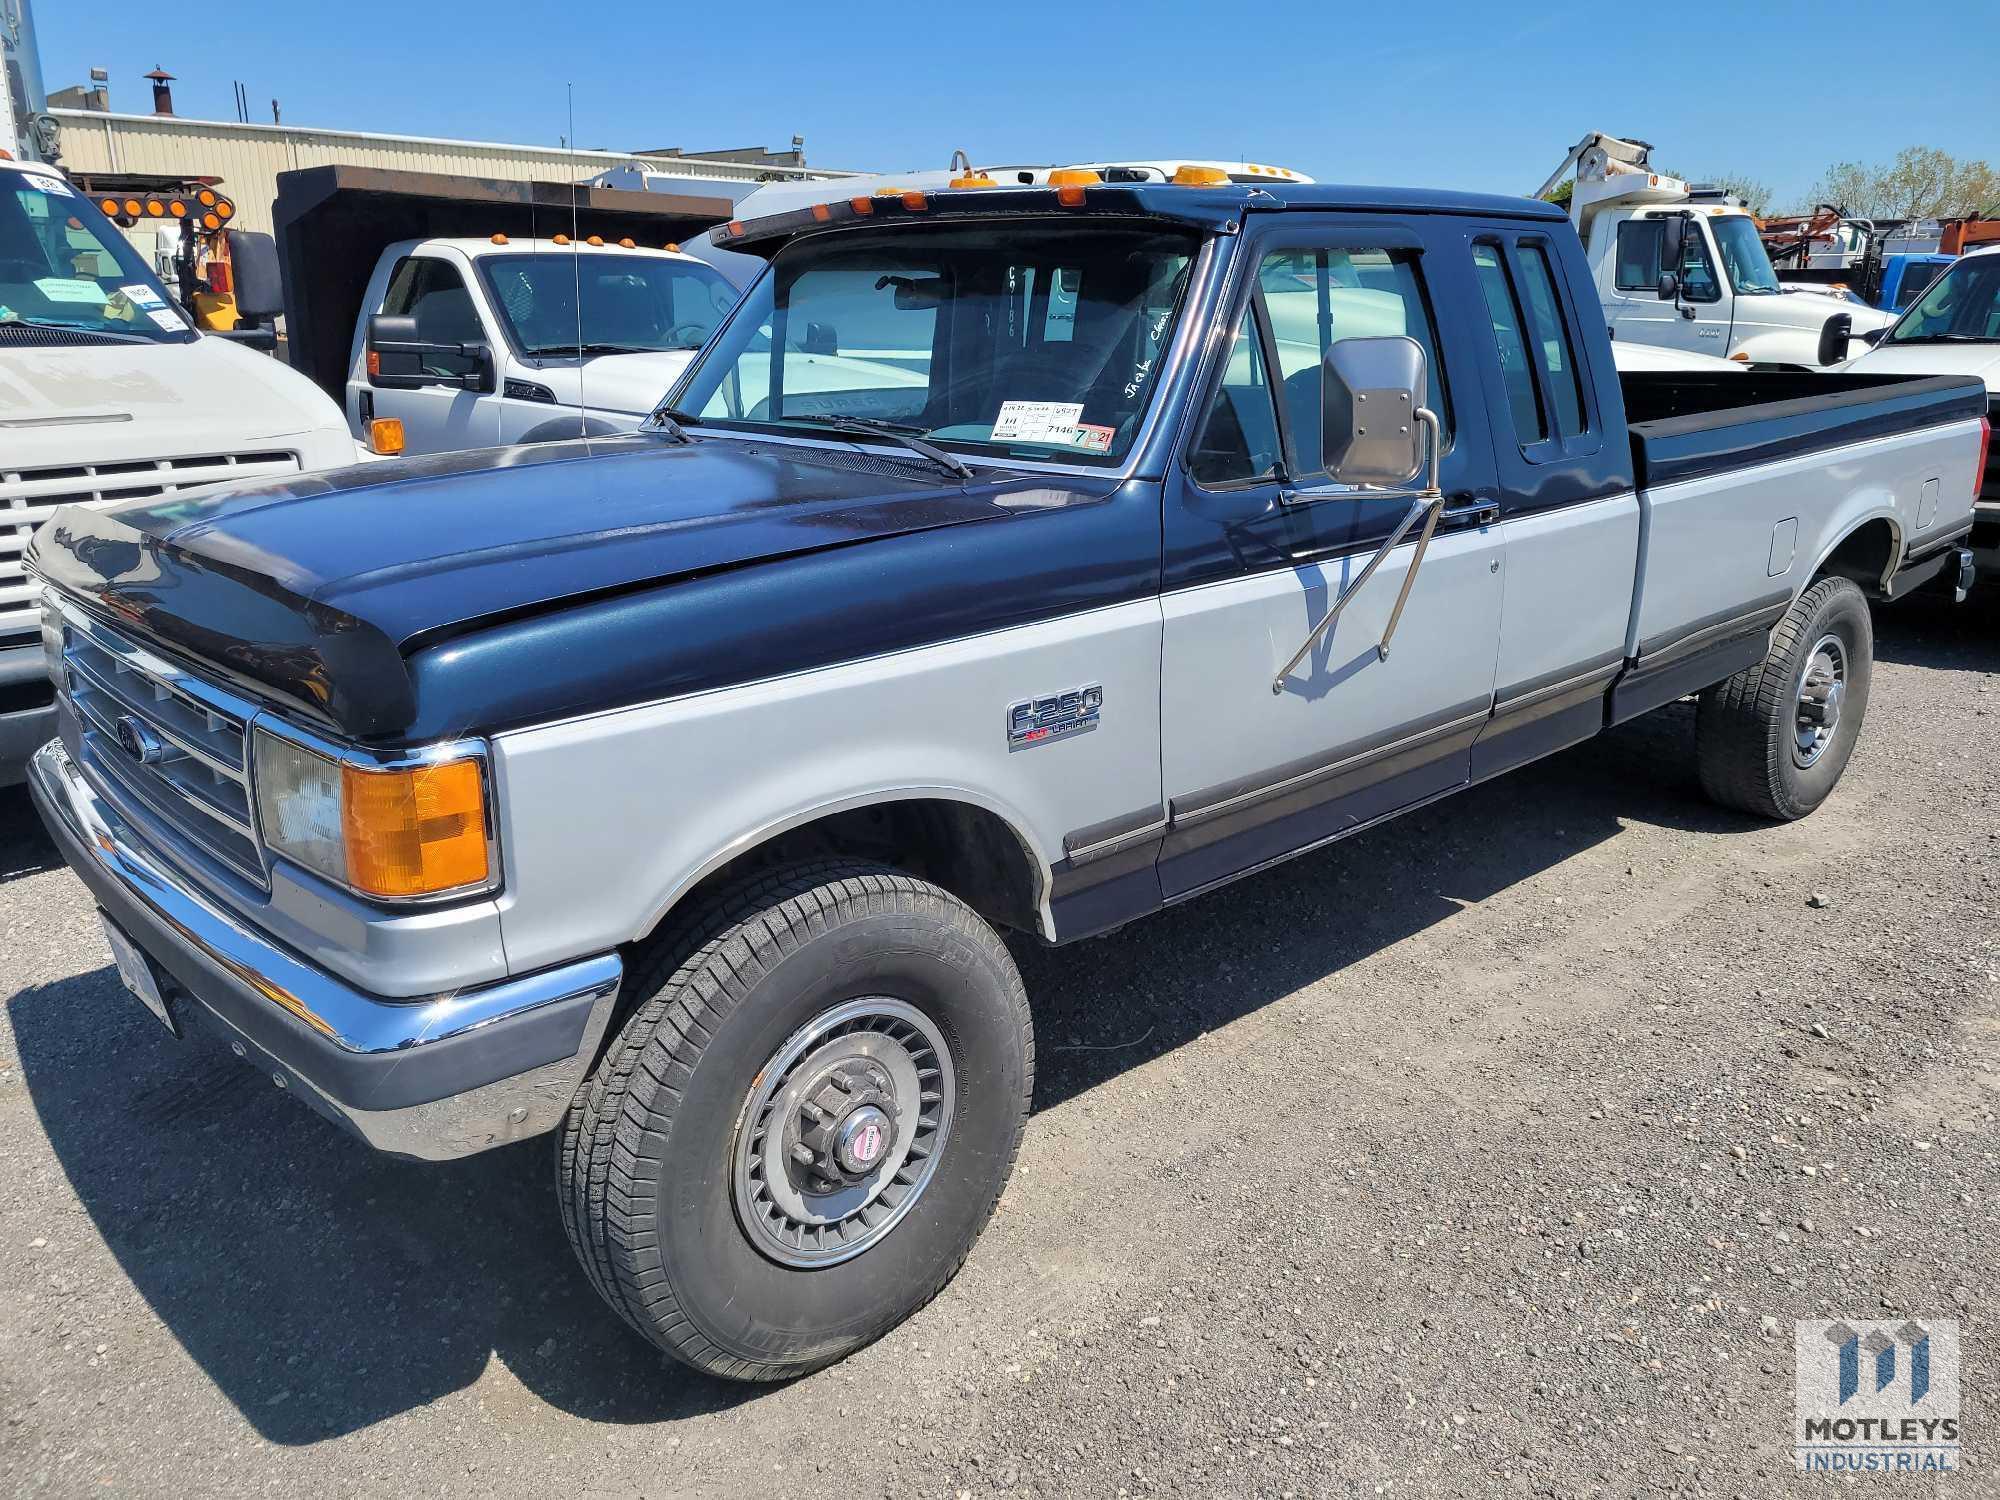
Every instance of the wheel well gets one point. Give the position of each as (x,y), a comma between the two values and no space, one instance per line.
(1864,555)
(971,852)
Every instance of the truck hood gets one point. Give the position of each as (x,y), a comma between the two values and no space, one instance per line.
(1808,310)
(1982,360)
(156,399)
(317,590)
(628,384)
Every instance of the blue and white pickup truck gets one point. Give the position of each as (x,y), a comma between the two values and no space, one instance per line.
(670,792)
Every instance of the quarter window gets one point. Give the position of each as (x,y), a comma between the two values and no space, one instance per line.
(1503,308)
(1552,343)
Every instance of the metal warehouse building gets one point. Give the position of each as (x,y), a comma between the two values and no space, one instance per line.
(248,158)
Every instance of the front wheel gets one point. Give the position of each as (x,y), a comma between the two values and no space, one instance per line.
(801,1130)
(1774,738)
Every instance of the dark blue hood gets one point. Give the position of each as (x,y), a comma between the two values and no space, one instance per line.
(321,589)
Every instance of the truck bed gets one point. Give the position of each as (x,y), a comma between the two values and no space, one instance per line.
(1686,426)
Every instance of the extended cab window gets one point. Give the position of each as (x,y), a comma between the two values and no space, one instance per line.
(431,291)
(1316,297)
(1553,348)
(1040,343)
(1503,308)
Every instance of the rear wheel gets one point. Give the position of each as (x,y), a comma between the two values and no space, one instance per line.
(803,1127)
(1774,738)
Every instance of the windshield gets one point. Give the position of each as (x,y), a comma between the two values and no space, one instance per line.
(1039,340)
(1963,305)
(631,303)
(62,265)
(1743,254)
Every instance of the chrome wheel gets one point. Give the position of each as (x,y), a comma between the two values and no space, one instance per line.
(1822,695)
(842,1131)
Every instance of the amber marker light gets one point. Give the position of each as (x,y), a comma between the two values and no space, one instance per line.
(414,832)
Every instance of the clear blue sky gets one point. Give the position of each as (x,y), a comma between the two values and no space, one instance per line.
(1442,93)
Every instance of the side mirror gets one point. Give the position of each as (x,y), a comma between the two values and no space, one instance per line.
(1670,286)
(1673,243)
(1373,390)
(821,338)
(253,265)
(396,357)
(1833,338)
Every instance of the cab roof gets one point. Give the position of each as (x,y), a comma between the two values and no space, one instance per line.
(1201,207)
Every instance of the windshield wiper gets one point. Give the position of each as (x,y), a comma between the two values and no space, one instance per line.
(671,421)
(556,351)
(96,333)
(1944,338)
(899,432)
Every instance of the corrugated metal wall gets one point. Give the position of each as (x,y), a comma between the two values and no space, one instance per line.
(248,158)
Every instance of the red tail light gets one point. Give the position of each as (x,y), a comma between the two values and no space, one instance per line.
(218,277)
(1985,448)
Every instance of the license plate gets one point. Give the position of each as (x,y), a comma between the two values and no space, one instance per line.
(137,972)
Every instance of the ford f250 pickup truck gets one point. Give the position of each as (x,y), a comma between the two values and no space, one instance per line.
(669,792)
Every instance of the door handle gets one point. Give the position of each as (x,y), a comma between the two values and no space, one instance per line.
(1480,511)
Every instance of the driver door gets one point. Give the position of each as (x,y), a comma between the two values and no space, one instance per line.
(1260,542)
(443,417)
(1632,302)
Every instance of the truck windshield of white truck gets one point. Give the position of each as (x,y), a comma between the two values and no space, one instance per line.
(1743,254)
(631,304)
(65,269)
(1962,307)
(1041,344)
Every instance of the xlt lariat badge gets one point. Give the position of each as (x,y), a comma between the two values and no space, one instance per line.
(1036,721)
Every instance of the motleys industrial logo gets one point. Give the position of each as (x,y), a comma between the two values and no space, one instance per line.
(1877,1396)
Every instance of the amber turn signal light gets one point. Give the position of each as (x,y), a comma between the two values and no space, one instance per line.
(414,832)
(385,434)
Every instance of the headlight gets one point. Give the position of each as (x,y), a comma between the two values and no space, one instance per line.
(413,831)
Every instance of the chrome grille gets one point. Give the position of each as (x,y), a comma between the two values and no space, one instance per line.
(158,737)
(29,497)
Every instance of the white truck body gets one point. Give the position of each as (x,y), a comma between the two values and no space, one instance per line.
(94,411)
(1730,302)
(646,311)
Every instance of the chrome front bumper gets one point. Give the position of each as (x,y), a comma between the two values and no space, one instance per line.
(432,1079)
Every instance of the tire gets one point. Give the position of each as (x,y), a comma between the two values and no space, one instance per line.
(686,1241)
(1750,731)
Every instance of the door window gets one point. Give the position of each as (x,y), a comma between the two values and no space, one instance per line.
(1317,296)
(432,292)
(1239,436)
(1638,261)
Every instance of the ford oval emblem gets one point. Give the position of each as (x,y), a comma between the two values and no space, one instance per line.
(139,741)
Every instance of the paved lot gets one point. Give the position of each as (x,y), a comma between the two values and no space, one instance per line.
(1467,1157)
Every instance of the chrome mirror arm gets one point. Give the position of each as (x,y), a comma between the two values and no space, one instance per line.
(1427,507)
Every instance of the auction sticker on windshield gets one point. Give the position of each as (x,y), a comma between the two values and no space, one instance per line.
(69,289)
(1037,421)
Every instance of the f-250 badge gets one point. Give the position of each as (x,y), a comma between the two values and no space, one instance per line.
(1037,721)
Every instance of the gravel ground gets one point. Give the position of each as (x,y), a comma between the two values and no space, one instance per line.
(1494,1151)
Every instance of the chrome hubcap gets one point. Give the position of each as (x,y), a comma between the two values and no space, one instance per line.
(842,1131)
(1822,695)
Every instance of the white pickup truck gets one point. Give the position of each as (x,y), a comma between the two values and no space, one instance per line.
(108,393)
(1954,329)
(667,793)
(1684,267)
